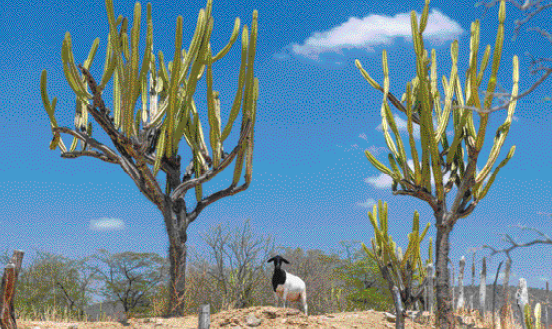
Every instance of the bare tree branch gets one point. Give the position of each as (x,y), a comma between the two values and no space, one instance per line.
(108,155)
(514,244)
(185,186)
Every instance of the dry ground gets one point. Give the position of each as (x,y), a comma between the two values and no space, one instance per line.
(261,317)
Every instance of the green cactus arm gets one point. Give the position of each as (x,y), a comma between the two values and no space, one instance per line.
(198,187)
(413,243)
(503,130)
(117,100)
(241,83)
(213,113)
(171,143)
(199,141)
(449,91)
(496,55)
(50,109)
(484,63)
(527,316)
(148,53)
(379,236)
(249,78)
(387,118)
(144,93)
(479,193)
(233,38)
(429,147)
(193,49)
(160,150)
(132,79)
(366,76)
(421,97)
(250,144)
(70,70)
(238,167)
(423,18)
(424,232)
(538,316)
(123,36)
(394,167)
(163,73)
(413,149)
(458,136)
(492,80)
(91,53)
(109,65)
(434,90)
(416,222)
(368,252)
(114,36)
(382,208)
(379,166)
(198,64)
(474,49)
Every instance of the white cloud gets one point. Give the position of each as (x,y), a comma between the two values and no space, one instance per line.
(367,204)
(374,30)
(375,150)
(402,126)
(381,181)
(107,224)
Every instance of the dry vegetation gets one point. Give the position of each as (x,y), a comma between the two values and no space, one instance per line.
(345,289)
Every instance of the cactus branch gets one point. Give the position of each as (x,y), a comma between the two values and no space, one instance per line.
(180,191)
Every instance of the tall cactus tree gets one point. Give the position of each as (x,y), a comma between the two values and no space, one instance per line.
(147,135)
(439,156)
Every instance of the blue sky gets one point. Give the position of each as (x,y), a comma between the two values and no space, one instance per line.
(312,184)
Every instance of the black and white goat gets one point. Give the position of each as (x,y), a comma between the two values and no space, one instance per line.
(286,285)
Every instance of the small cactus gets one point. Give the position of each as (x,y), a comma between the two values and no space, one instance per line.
(527,317)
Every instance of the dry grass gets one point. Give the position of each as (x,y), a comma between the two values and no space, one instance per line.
(470,319)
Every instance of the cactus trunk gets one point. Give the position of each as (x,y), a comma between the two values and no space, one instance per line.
(442,286)
(177,253)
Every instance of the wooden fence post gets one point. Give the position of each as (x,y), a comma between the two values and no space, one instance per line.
(7,291)
(204,316)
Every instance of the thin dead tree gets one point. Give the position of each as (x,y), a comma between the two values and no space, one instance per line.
(148,140)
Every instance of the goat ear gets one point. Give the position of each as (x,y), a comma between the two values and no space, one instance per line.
(271,260)
(284,260)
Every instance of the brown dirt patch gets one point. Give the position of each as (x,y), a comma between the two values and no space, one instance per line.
(260,317)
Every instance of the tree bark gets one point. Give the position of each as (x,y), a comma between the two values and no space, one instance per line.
(177,254)
(445,319)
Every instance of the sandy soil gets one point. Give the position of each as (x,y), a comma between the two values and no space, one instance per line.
(261,317)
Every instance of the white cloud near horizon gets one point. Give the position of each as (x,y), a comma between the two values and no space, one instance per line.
(367,204)
(107,224)
(373,30)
